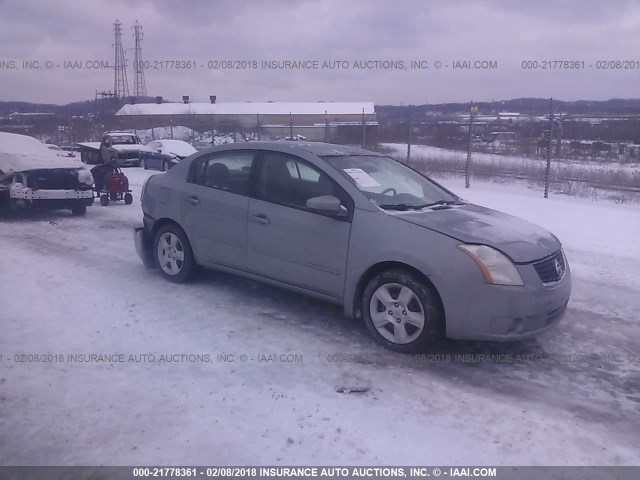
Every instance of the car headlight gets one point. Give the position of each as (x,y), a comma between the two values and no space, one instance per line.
(496,268)
(84,176)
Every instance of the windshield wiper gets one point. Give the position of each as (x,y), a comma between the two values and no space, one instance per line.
(397,206)
(406,206)
(443,202)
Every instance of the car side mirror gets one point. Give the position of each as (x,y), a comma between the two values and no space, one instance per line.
(327,204)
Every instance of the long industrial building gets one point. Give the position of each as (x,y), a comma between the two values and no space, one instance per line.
(340,122)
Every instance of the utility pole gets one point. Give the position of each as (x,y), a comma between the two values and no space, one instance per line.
(549,146)
(139,85)
(408,133)
(290,126)
(120,83)
(326,127)
(472,110)
(559,141)
(364,131)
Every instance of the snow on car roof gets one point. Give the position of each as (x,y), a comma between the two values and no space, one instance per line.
(21,152)
(177,147)
(249,108)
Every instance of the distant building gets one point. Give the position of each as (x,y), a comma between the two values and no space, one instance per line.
(342,121)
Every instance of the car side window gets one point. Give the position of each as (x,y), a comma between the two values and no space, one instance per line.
(291,181)
(230,171)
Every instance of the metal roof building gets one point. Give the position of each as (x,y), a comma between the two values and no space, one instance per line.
(314,120)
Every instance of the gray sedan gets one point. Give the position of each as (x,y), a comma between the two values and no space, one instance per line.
(359,229)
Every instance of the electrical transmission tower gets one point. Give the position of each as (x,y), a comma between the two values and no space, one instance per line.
(139,85)
(120,84)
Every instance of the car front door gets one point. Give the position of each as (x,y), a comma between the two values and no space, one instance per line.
(214,207)
(286,241)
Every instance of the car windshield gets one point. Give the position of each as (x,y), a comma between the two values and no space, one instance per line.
(390,184)
(124,140)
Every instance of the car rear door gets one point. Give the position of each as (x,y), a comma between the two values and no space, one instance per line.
(214,207)
(286,241)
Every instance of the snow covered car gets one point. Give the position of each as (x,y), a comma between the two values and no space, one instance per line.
(165,154)
(361,230)
(32,176)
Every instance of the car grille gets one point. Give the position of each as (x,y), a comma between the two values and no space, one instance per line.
(53,179)
(551,269)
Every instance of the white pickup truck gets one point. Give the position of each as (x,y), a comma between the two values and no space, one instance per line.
(119,148)
(34,177)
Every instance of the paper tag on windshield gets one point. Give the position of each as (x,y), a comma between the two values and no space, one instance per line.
(361,177)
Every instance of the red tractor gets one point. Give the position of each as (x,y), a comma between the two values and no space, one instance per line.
(110,184)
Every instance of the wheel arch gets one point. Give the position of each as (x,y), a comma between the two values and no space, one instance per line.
(372,271)
(161,222)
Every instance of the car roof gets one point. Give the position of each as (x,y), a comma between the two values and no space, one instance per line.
(320,149)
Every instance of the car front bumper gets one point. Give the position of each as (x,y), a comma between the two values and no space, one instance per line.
(26,193)
(128,162)
(509,313)
(144,246)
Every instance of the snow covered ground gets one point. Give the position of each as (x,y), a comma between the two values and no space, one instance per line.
(74,285)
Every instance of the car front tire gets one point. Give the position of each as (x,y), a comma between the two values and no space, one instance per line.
(173,254)
(401,311)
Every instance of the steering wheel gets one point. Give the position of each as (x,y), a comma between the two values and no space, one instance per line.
(390,189)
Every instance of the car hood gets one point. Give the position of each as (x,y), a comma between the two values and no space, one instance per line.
(522,241)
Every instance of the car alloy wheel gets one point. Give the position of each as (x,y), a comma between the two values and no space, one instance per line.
(170,253)
(397,313)
(173,254)
(402,311)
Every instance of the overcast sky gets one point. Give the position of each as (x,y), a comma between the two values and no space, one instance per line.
(401,30)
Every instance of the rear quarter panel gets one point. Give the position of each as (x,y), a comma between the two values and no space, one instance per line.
(162,194)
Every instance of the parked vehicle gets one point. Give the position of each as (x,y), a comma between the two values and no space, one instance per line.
(119,148)
(33,177)
(359,229)
(165,154)
(59,151)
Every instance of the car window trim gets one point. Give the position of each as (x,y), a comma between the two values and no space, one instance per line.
(260,162)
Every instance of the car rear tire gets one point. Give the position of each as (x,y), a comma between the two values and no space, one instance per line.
(128,198)
(104,200)
(173,254)
(79,210)
(401,311)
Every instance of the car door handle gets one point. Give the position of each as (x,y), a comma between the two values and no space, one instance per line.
(192,199)
(261,218)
